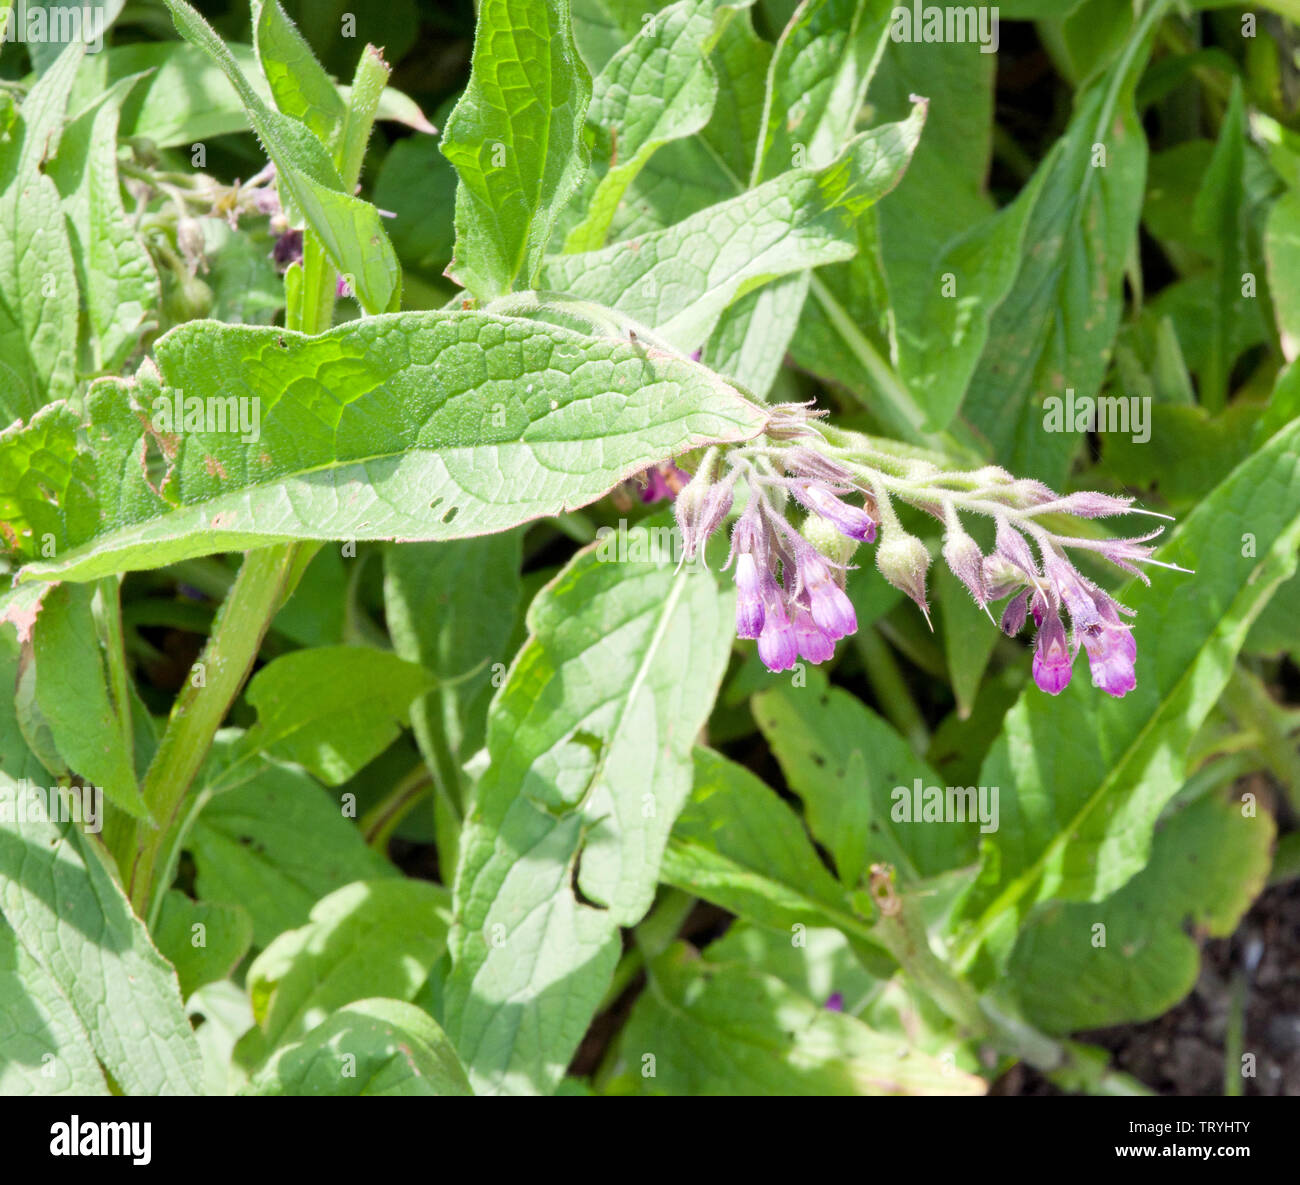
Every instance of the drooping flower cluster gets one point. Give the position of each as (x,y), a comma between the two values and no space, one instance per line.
(790,583)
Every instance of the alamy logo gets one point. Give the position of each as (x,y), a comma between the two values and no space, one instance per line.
(946,804)
(57,24)
(953,24)
(102,1138)
(178,412)
(1110,413)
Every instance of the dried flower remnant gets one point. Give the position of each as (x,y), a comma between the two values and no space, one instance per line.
(790,583)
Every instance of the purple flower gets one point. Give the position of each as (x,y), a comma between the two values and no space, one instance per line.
(828,604)
(835,1002)
(1112,655)
(287,250)
(749,597)
(813,643)
(1013,616)
(663,481)
(851,521)
(342,288)
(1052,657)
(778,645)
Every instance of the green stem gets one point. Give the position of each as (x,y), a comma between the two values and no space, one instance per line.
(198,711)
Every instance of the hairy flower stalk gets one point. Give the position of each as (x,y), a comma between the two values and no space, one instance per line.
(790,583)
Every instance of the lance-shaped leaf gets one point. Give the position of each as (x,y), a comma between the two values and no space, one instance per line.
(69,915)
(740,846)
(823,63)
(859,780)
(659,87)
(1083,777)
(73,693)
(411,426)
(297,80)
(350,229)
(38,279)
(680,280)
(1054,329)
(116,274)
(590,761)
(516,140)
(1208,862)
(723,1028)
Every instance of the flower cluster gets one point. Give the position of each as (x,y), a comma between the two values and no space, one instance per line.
(790,583)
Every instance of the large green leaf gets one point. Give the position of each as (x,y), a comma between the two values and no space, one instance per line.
(276,845)
(590,760)
(377,936)
(659,87)
(73,694)
(847,765)
(1208,862)
(679,280)
(722,1028)
(114,269)
(372,1047)
(412,426)
(738,845)
(1054,329)
(819,75)
(38,278)
(516,140)
(1083,776)
(330,709)
(71,920)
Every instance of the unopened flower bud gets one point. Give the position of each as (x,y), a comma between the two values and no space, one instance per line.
(903,560)
(962,555)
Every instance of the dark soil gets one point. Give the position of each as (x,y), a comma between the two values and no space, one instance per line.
(1184,1052)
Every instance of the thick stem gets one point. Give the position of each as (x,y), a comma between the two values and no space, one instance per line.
(199,710)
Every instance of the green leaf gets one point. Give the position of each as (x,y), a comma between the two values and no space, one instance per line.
(1083,777)
(73,694)
(415,426)
(380,936)
(276,845)
(589,744)
(350,229)
(372,1047)
(330,709)
(722,1028)
(38,278)
(752,336)
(203,940)
(738,845)
(515,138)
(1282,251)
(114,269)
(657,88)
(848,765)
(602,27)
(51,26)
(298,82)
(1208,863)
(679,280)
(818,81)
(71,919)
(44,1049)
(1054,330)
(185,98)
(968,638)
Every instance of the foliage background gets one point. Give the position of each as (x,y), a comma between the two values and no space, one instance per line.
(327,932)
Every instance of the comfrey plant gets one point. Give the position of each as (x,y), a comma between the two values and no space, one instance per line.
(790,583)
